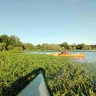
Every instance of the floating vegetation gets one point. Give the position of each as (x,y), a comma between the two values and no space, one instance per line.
(63,76)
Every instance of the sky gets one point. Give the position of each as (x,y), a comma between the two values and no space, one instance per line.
(49,21)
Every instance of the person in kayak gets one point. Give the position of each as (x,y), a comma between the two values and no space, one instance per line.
(66,52)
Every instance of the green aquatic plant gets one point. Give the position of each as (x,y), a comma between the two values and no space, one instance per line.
(63,76)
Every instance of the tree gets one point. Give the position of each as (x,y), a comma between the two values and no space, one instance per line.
(28,46)
(65,45)
(14,41)
(62,48)
(46,46)
(4,39)
(89,48)
(10,47)
(74,48)
(70,47)
(39,46)
(2,46)
(81,46)
(17,49)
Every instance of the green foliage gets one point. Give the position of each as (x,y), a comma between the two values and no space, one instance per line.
(50,46)
(4,38)
(70,48)
(63,76)
(65,45)
(28,46)
(2,46)
(10,42)
(17,49)
(10,47)
(14,40)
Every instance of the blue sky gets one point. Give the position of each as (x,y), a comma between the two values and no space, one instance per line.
(49,21)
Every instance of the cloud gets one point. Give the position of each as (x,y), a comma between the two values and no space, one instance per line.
(74,5)
(82,14)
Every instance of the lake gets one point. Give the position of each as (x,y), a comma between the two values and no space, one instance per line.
(89,55)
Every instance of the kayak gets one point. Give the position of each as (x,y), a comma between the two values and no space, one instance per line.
(36,87)
(68,55)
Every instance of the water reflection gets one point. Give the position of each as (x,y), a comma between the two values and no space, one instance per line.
(89,57)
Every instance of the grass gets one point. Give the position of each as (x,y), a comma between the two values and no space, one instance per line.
(63,76)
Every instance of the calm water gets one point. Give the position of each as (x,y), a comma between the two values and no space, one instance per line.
(89,56)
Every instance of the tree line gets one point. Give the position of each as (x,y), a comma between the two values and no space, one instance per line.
(13,42)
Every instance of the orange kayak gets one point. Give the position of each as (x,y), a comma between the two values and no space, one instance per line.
(68,55)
